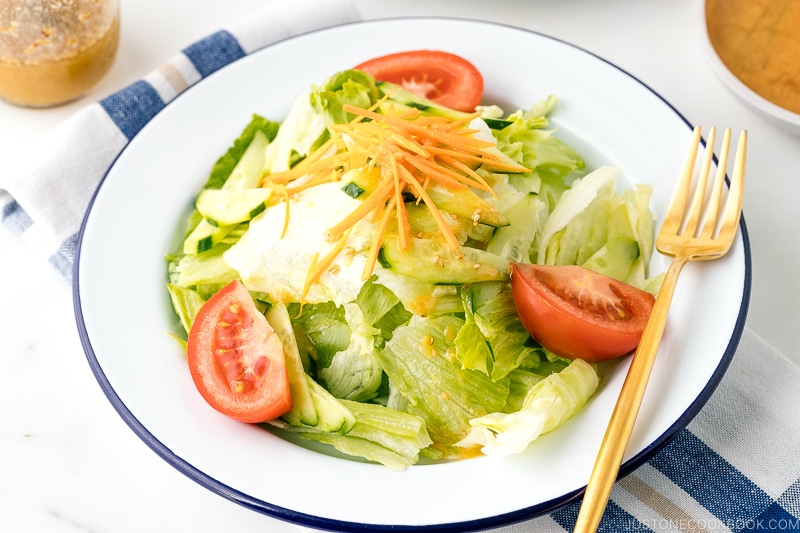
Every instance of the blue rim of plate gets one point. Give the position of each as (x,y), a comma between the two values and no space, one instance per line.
(496,521)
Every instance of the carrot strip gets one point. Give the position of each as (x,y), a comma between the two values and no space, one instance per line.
(467,170)
(481,157)
(317,179)
(376,199)
(443,175)
(408,144)
(308,281)
(377,242)
(300,170)
(403,227)
(371,113)
(286,215)
(444,227)
(318,267)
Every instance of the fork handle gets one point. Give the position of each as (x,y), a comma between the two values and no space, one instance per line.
(609,458)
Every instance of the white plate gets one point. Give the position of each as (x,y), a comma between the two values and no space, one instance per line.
(124,315)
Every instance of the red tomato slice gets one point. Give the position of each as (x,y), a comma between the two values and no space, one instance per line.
(577,313)
(236,359)
(445,78)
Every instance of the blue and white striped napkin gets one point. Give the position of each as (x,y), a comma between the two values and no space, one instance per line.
(45,204)
(735,468)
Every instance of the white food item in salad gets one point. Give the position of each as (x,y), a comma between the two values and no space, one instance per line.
(278,266)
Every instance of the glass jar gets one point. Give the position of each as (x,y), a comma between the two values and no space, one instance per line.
(54,51)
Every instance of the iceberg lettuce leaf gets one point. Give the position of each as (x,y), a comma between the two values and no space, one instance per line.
(548,404)
(499,321)
(347,87)
(392,438)
(421,365)
(572,227)
(550,160)
(354,373)
(321,331)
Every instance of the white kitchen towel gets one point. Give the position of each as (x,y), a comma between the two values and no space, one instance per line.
(45,204)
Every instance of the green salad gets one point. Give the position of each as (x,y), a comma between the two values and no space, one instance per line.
(374,229)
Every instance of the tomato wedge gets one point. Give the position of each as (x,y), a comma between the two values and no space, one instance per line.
(236,359)
(445,78)
(577,313)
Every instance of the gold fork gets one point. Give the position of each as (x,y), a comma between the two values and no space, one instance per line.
(692,231)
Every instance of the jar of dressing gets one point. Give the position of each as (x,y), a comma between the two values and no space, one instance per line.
(54,51)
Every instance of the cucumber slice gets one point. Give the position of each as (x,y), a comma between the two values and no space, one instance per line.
(467,204)
(616,258)
(334,417)
(245,175)
(358,182)
(204,236)
(397,97)
(221,207)
(432,261)
(247,172)
(514,241)
(304,410)
(422,223)
(497,123)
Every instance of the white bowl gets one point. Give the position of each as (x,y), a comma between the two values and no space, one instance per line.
(124,315)
(777,115)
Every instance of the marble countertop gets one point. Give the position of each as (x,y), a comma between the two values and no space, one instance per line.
(68,463)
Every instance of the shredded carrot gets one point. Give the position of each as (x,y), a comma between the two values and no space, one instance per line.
(458,165)
(286,215)
(309,279)
(437,172)
(305,167)
(377,241)
(318,267)
(411,151)
(403,227)
(444,227)
(376,199)
(301,168)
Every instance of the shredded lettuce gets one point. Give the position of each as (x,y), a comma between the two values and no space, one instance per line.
(492,339)
(186,302)
(548,404)
(321,331)
(380,434)
(473,350)
(499,322)
(420,362)
(347,87)
(551,161)
(354,373)
(575,224)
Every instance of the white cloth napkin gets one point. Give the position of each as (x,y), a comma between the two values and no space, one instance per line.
(45,203)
